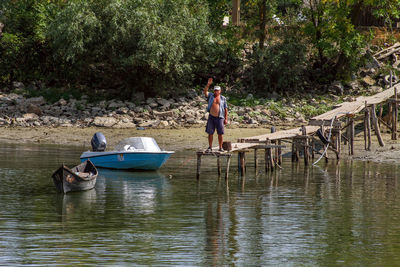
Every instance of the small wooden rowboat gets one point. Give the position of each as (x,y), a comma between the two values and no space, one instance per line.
(79,178)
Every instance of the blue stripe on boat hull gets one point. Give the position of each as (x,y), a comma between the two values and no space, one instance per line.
(139,161)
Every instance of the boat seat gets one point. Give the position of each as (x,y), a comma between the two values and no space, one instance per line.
(129,148)
(84,174)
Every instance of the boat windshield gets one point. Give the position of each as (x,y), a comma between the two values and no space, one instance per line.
(147,144)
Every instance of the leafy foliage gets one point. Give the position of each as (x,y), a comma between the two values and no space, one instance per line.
(22,46)
(164,47)
(338,45)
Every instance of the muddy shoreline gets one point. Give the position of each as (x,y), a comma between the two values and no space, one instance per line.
(192,138)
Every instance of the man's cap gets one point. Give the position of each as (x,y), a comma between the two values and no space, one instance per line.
(217,88)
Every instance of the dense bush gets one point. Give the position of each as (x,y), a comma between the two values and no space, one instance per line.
(281,65)
(119,47)
(164,47)
(338,47)
(22,45)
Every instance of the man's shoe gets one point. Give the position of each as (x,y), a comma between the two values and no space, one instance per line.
(209,149)
(221,150)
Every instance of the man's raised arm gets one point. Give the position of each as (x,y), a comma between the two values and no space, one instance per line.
(205,91)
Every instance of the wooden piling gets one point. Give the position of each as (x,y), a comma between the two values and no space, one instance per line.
(269,159)
(347,131)
(312,148)
(219,166)
(394,115)
(368,127)
(242,163)
(279,152)
(376,125)
(297,150)
(293,151)
(255,159)
(228,163)
(275,158)
(198,166)
(339,140)
(365,129)
(305,142)
(352,132)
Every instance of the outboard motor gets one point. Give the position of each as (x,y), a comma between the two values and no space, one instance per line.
(98,142)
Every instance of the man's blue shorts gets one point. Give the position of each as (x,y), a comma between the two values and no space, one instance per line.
(215,123)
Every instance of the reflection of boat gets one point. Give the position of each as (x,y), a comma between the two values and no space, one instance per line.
(130,175)
(141,153)
(81,177)
(77,206)
(136,191)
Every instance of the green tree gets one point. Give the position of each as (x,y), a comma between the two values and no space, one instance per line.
(152,46)
(22,47)
(338,44)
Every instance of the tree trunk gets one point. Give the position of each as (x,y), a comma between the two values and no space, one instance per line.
(236,12)
(263,22)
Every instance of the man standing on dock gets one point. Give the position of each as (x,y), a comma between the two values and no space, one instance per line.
(218,114)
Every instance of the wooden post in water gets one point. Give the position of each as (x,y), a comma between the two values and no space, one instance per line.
(369,130)
(255,159)
(198,166)
(241,162)
(365,128)
(396,107)
(352,131)
(293,150)
(312,148)
(279,152)
(394,115)
(376,125)
(339,140)
(219,166)
(347,131)
(305,142)
(297,150)
(228,163)
(275,158)
(368,126)
(271,159)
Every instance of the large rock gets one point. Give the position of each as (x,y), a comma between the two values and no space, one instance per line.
(61,102)
(124,125)
(30,117)
(164,114)
(368,81)
(32,108)
(138,97)
(116,104)
(104,121)
(36,100)
(48,120)
(149,123)
(337,88)
(18,85)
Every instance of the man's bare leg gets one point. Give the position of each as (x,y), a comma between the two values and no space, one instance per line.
(220,140)
(210,140)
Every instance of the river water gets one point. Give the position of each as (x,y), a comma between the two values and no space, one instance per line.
(328,215)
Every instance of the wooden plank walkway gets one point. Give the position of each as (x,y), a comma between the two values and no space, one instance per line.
(352,108)
(284,134)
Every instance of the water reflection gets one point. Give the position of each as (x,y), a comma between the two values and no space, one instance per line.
(328,215)
(77,204)
(138,190)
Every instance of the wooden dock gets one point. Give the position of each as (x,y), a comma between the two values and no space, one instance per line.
(337,125)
